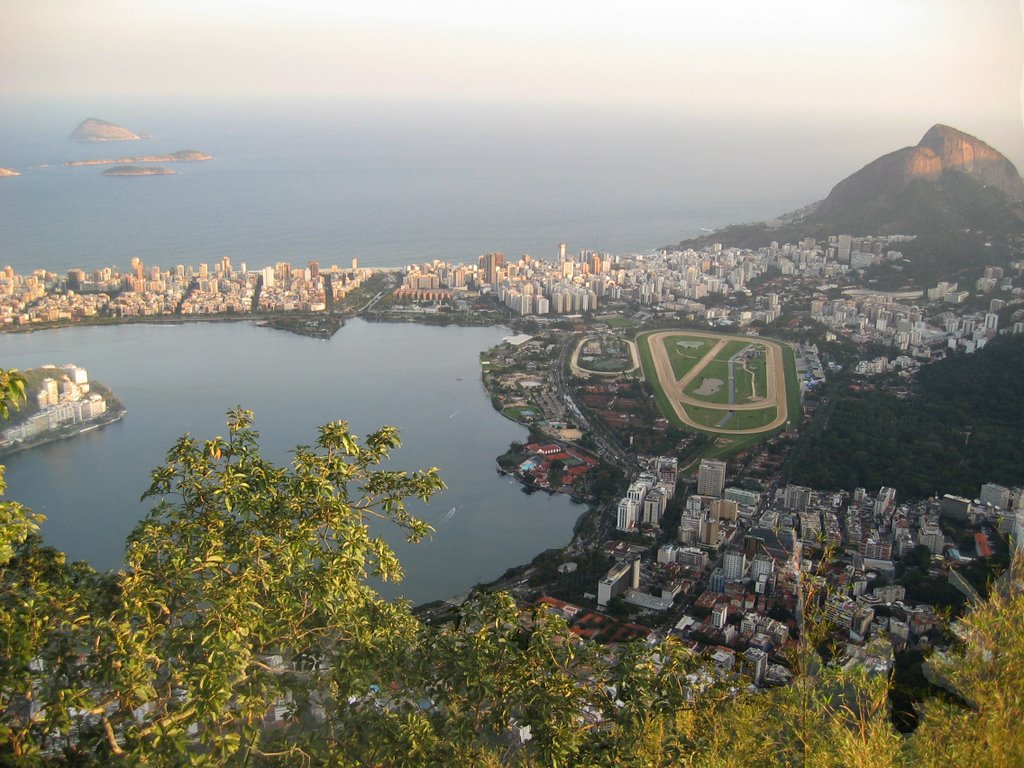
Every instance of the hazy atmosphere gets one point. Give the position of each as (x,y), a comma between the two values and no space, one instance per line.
(904,65)
(400,132)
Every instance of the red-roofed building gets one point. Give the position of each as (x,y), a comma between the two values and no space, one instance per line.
(982,546)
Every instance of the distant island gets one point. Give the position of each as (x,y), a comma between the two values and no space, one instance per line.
(137,170)
(182,156)
(8,172)
(94,129)
(61,403)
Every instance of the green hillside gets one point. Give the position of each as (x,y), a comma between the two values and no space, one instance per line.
(960,427)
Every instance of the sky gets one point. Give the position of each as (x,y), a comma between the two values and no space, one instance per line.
(925,61)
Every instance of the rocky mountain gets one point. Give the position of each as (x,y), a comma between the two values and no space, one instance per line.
(942,151)
(949,182)
(94,129)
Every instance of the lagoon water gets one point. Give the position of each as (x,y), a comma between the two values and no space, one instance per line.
(183,378)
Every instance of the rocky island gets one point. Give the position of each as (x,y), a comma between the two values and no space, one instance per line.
(182,156)
(62,402)
(137,170)
(8,172)
(94,129)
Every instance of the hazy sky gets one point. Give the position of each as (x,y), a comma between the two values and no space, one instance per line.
(934,60)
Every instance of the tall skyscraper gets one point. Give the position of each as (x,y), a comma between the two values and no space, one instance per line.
(844,247)
(489,264)
(711,477)
(796,497)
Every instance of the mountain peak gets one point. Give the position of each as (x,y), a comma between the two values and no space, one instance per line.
(959,151)
(949,180)
(880,186)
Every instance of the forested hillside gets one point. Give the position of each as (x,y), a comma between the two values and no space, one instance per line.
(960,427)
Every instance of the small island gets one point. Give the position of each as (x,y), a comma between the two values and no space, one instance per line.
(181,156)
(94,129)
(61,403)
(137,170)
(8,172)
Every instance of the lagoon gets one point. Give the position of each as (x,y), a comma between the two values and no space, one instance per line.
(183,378)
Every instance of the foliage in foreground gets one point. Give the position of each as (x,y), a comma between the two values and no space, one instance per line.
(242,632)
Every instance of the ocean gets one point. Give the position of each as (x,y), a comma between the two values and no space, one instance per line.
(392,186)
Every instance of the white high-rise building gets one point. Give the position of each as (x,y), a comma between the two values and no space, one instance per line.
(996,495)
(628,514)
(796,497)
(615,582)
(711,478)
(734,565)
(654,507)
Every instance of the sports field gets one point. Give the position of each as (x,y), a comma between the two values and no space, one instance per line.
(727,385)
(603,356)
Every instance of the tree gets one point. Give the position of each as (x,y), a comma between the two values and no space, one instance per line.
(12,391)
(16,524)
(988,680)
(245,586)
(555,474)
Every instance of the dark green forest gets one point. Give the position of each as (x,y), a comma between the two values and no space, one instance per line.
(962,425)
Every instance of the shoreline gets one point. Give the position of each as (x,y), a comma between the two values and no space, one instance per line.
(58,435)
(263,320)
(274,321)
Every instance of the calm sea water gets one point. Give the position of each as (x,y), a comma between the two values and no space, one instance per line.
(393,186)
(177,379)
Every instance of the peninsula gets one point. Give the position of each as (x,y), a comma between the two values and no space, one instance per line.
(61,403)
(182,156)
(94,129)
(137,170)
